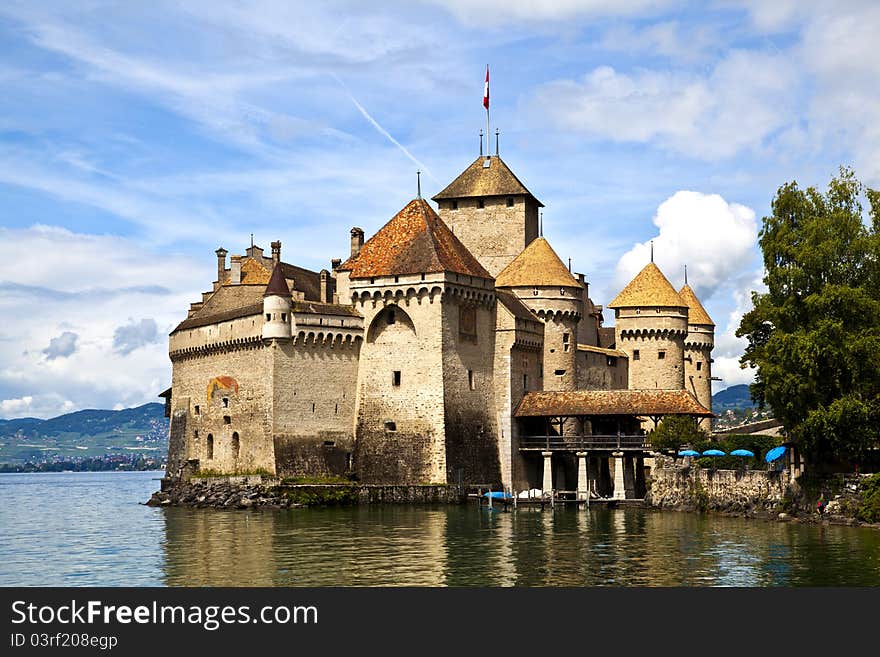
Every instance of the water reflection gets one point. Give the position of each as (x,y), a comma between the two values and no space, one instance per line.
(466,546)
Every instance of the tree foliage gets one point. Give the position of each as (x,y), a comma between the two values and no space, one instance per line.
(814,336)
(675,431)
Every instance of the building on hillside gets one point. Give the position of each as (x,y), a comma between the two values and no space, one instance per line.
(453,346)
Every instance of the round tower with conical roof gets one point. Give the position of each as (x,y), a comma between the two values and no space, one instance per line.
(651,323)
(543,283)
(698,347)
(277,303)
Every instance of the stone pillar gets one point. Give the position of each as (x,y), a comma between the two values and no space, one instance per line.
(619,488)
(629,477)
(583,486)
(547,485)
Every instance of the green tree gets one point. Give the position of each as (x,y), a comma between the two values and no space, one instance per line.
(675,431)
(814,336)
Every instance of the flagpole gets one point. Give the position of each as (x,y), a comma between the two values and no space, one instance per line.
(488,102)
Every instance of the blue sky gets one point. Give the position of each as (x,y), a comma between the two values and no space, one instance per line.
(137,138)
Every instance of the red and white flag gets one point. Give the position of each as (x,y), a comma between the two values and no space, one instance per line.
(486,90)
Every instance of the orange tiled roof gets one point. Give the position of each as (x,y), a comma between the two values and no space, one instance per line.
(538,264)
(415,241)
(610,402)
(477,180)
(649,288)
(696,313)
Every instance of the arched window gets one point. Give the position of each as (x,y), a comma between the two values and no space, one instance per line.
(236,445)
(210,445)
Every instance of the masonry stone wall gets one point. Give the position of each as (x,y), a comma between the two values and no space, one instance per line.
(594,372)
(468,394)
(677,485)
(314,383)
(496,233)
(223,402)
(698,366)
(652,332)
(400,432)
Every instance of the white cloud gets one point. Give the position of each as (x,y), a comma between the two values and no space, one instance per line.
(745,99)
(667,38)
(714,238)
(88,285)
(62,346)
(135,334)
(497,12)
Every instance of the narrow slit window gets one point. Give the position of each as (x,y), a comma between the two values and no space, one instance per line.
(510,201)
(525,381)
(268,317)
(210,447)
(471,379)
(236,445)
(226,402)
(198,410)
(395,378)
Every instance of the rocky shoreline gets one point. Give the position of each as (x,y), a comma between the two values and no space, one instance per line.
(272,493)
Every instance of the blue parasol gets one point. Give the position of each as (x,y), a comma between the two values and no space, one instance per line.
(688,452)
(498,495)
(774,454)
(742,452)
(714,452)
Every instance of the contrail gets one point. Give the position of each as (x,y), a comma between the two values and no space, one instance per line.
(384,132)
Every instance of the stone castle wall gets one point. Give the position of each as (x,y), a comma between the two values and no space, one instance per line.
(496,233)
(314,383)
(471,430)
(227,430)
(400,428)
(594,372)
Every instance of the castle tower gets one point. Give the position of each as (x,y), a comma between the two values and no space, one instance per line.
(543,283)
(425,386)
(698,351)
(651,322)
(491,212)
(276,307)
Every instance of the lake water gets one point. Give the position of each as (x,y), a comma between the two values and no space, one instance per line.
(89,529)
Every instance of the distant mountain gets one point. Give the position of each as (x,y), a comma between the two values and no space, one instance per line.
(737,396)
(87,433)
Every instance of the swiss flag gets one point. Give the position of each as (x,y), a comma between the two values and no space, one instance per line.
(486,90)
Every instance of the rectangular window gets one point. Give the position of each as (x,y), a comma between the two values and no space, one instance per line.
(283,317)
(661,355)
(198,410)
(471,379)
(635,354)
(455,205)
(699,366)
(395,378)
(510,201)
(525,381)
(481,203)
(268,317)
(227,419)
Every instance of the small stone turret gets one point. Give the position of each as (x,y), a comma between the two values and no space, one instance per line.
(650,325)
(698,347)
(276,308)
(544,285)
(221,266)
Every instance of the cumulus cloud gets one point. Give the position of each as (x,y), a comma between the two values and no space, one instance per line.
(62,346)
(129,337)
(105,279)
(714,238)
(740,104)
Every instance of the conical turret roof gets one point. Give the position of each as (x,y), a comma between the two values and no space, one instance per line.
(415,241)
(649,288)
(538,264)
(496,179)
(696,313)
(277,285)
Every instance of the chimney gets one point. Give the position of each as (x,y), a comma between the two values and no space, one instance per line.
(324,296)
(583,281)
(334,265)
(221,264)
(276,252)
(235,270)
(357,240)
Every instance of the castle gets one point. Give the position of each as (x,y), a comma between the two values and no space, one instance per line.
(451,347)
